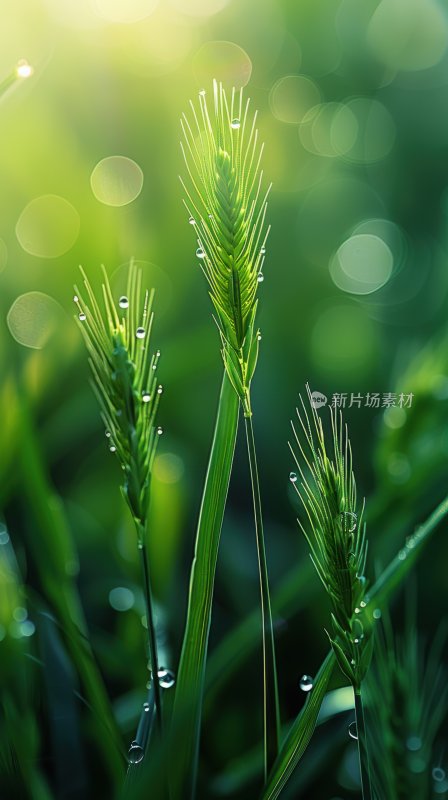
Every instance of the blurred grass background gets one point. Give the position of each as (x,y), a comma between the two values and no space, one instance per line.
(353,108)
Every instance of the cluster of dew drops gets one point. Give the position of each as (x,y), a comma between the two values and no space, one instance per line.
(140,333)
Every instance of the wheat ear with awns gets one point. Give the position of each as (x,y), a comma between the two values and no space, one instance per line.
(227,202)
(125,383)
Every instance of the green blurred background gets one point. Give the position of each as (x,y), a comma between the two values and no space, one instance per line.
(353,109)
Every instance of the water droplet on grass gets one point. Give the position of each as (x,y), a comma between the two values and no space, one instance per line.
(123,302)
(263,251)
(192,221)
(146,397)
(353,730)
(140,333)
(402,555)
(167,678)
(135,753)
(160,389)
(260,277)
(349,521)
(159,431)
(306,683)
(235,124)
(82,316)
(146,707)
(112,448)
(200,253)
(293,477)
(377,613)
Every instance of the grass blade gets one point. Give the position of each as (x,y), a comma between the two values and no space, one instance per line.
(300,734)
(270,692)
(190,682)
(405,559)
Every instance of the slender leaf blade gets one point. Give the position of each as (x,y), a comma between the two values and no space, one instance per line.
(191,675)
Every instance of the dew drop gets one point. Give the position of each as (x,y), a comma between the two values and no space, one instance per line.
(377,613)
(23,69)
(135,753)
(362,603)
(202,92)
(402,555)
(357,610)
(349,521)
(107,434)
(438,774)
(123,302)
(146,397)
(353,731)
(112,448)
(140,333)
(158,354)
(146,707)
(357,631)
(259,337)
(159,431)
(167,678)
(293,477)
(235,124)
(306,683)
(200,253)
(160,389)
(192,220)
(263,251)
(82,316)
(75,298)
(260,277)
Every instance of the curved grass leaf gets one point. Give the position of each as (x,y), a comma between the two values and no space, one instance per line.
(300,733)
(190,682)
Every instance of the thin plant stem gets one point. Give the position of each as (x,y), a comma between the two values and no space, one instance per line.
(152,638)
(362,747)
(270,693)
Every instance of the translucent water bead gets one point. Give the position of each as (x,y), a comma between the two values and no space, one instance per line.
(306,683)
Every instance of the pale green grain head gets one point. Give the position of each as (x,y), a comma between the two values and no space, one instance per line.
(227,202)
(117,335)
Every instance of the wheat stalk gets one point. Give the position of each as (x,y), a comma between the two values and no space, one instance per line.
(125,383)
(227,203)
(336,536)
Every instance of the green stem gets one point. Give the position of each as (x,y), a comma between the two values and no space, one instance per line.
(191,674)
(270,693)
(362,747)
(152,638)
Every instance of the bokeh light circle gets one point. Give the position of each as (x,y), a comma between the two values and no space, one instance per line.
(48,226)
(33,318)
(121,598)
(328,129)
(125,11)
(225,61)
(362,264)
(376,131)
(168,468)
(343,341)
(292,96)
(116,181)
(3,255)
(408,35)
